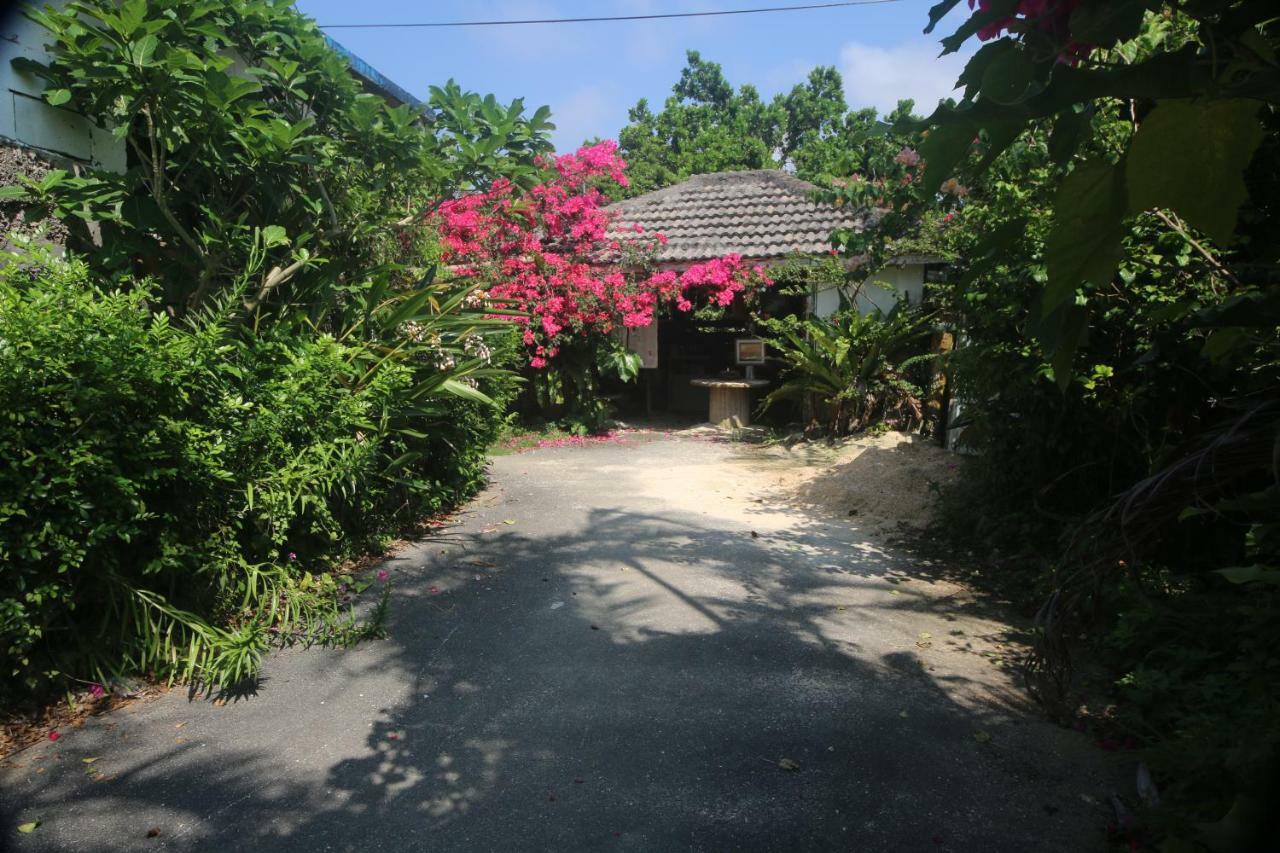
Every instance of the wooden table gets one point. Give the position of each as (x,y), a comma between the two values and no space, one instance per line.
(730,399)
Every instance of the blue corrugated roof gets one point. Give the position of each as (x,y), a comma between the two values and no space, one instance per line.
(375,79)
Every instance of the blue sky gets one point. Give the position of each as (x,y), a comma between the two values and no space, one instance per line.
(590,74)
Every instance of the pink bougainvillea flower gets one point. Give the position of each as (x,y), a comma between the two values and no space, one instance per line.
(293,556)
(53,734)
(383,574)
(96,691)
(1051,17)
(554,254)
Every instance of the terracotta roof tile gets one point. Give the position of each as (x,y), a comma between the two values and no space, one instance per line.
(757,214)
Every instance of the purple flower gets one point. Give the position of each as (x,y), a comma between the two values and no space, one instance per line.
(383,574)
(292,556)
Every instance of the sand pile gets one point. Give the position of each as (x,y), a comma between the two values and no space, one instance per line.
(886,482)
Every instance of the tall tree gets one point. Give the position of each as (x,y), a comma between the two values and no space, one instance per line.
(707,126)
(704,126)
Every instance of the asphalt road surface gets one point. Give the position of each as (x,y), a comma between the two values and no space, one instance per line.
(631,645)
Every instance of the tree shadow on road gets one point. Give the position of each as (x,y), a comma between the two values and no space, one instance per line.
(635,682)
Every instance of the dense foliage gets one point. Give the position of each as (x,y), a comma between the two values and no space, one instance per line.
(247,134)
(705,126)
(864,367)
(258,372)
(171,486)
(1114,294)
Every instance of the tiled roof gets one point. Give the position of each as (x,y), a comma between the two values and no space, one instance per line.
(757,214)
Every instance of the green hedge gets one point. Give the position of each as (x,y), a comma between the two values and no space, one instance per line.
(169,494)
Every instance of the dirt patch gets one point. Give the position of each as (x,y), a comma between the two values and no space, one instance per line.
(15,164)
(19,731)
(888,482)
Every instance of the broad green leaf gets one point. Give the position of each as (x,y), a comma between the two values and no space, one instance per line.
(52,179)
(1060,335)
(12,193)
(1104,24)
(938,12)
(142,51)
(274,235)
(1070,128)
(28,827)
(132,14)
(1241,828)
(465,391)
(1085,243)
(976,68)
(1251,574)
(998,138)
(996,10)
(942,150)
(27,65)
(57,97)
(1223,342)
(1190,157)
(1009,75)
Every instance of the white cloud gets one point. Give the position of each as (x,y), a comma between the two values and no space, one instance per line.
(587,112)
(879,77)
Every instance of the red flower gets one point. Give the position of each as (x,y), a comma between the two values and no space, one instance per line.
(53,735)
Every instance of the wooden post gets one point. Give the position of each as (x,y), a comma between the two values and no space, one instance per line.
(936,403)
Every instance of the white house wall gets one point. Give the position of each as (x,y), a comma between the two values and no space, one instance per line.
(27,120)
(898,282)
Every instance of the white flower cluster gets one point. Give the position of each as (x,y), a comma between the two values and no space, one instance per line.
(414,331)
(431,351)
(439,357)
(476,347)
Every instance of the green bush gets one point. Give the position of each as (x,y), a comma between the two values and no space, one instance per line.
(863,369)
(168,489)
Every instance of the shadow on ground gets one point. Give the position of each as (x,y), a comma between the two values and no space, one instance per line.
(627,680)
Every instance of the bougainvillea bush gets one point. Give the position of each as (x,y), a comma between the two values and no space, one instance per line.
(570,275)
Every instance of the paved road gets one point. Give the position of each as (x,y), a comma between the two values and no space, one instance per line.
(601,656)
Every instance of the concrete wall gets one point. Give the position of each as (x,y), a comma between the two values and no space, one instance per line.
(882,290)
(25,119)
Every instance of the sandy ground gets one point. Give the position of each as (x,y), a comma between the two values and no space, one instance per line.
(883,484)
